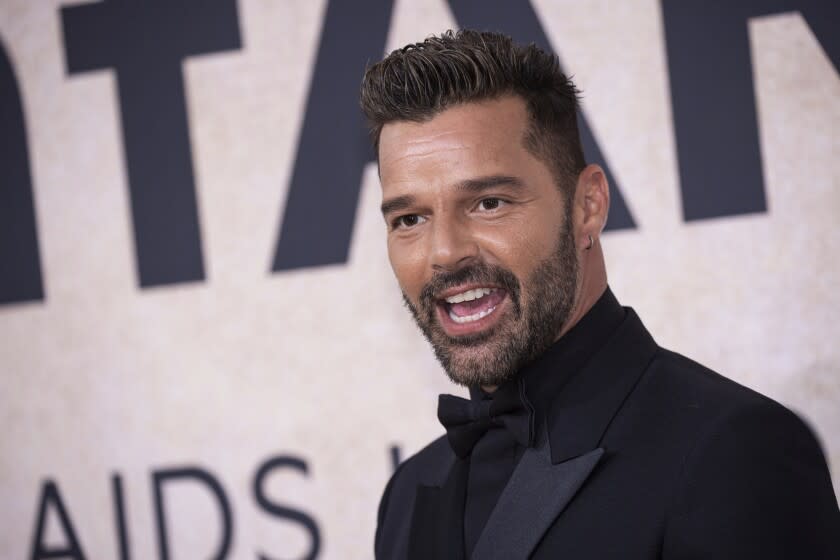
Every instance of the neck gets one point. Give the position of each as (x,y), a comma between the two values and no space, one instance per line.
(592,285)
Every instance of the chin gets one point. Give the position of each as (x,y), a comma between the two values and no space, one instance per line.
(471,367)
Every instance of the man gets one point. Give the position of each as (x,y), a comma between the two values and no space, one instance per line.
(582,438)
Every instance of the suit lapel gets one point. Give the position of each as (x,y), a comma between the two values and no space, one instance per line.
(536,494)
(548,476)
(581,414)
(437,525)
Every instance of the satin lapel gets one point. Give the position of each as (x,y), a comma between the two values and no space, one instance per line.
(437,526)
(594,396)
(536,494)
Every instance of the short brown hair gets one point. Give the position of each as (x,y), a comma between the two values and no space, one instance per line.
(420,80)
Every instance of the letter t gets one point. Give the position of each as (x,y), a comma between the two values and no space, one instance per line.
(146,43)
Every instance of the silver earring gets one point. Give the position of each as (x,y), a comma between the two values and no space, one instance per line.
(591,243)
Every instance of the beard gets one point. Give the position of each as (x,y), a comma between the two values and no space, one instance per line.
(496,355)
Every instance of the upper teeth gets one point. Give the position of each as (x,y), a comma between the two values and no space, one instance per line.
(470,295)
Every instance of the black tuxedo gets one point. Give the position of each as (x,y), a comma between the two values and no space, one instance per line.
(641,454)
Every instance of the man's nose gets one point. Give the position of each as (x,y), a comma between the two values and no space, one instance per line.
(453,246)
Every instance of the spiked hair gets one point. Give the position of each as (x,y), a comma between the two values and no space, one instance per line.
(420,80)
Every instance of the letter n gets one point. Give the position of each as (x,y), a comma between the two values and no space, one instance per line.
(714,108)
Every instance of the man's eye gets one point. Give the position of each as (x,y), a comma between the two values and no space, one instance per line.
(407,221)
(490,203)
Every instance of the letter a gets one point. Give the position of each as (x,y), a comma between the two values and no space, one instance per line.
(72,549)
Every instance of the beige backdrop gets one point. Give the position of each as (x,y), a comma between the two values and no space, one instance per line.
(324,364)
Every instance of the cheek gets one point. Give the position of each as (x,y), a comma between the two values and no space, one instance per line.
(408,263)
(523,248)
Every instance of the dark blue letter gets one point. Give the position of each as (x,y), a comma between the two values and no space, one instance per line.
(334,147)
(50,495)
(519,20)
(198,475)
(281,462)
(146,43)
(713,100)
(20,265)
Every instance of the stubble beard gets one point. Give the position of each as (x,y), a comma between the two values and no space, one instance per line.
(495,356)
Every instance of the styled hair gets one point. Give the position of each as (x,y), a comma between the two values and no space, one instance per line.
(420,80)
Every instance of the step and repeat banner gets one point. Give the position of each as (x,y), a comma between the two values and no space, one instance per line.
(203,352)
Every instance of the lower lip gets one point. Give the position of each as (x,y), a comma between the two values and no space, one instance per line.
(473,327)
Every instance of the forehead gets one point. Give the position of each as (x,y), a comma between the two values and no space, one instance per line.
(487,134)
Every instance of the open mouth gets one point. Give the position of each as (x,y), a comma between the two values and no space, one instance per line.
(466,311)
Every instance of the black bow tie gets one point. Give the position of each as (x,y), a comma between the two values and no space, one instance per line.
(467,420)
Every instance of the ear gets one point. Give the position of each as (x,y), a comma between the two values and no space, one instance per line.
(592,204)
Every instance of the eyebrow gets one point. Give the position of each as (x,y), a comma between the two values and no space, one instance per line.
(484,183)
(476,185)
(396,204)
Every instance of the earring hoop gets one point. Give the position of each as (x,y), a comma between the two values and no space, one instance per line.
(591,243)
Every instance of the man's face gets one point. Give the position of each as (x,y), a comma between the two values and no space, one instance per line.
(479,237)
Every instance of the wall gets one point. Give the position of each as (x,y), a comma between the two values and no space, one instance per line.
(202,347)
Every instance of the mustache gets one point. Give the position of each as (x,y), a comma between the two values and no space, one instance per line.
(478,273)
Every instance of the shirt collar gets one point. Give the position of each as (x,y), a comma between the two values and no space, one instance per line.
(542,380)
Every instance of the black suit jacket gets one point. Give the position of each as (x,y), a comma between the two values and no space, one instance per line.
(645,454)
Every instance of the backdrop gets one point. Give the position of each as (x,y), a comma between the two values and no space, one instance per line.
(203,350)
